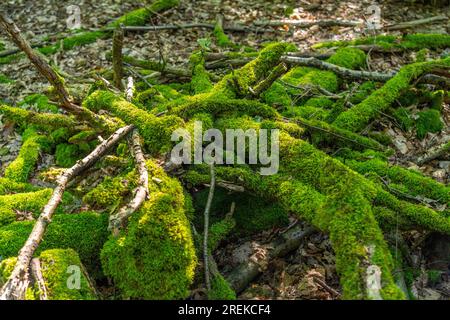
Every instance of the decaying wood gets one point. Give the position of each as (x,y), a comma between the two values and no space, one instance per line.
(117,57)
(38,278)
(15,287)
(119,220)
(241,276)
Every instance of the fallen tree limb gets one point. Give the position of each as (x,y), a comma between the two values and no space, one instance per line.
(415,23)
(119,220)
(15,287)
(55,80)
(309,23)
(240,277)
(357,74)
(206,226)
(38,278)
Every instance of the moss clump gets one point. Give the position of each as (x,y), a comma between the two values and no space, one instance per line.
(200,79)
(350,58)
(23,165)
(155,131)
(9,186)
(109,192)
(66,155)
(428,121)
(46,121)
(363,91)
(221,289)
(356,118)
(56,270)
(22,202)
(154,258)
(83,232)
(40,102)
(222,39)
(404,118)
(140,16)
(69,43)
(4,79)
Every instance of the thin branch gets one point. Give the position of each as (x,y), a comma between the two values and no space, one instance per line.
(206,227)
(117,57)
(18,282)
(119,220)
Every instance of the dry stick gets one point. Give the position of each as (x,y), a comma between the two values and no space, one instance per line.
(18,282)
(119,220)
(310,23)
(354,74)
(206,227)
(37,275)
(415,23)
(43,67)
(130,89)
(277,72)
(241,276)
(117,57)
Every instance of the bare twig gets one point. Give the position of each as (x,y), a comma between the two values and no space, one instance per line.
(119,220)
(415,23)
(206,227)
(18,282)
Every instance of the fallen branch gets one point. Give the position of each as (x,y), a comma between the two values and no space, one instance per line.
(356,74)
(433,153)
(240,277)
(15,287)
(415,23)
(277,72)
(119,220)
(310,23)
(38,278)
(55,80)
(206,227)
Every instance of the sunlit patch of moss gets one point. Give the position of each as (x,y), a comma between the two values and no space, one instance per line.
(404,118)
(356,118)
(66,155)
(428,121)
(154,258)
(350,58)
(363,91)
(84,232)
(156,131)
(71,42)
(139,17)
(221,38)
(200,79)
(24,164)
(55,267)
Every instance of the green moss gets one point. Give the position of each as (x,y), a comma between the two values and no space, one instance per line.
(4,79)
(221,289)
(109,192)
(350,58)
(9,186)
(154,258)
(39,101)
(71,42)
(404,118)
(319,102)
(84,232)
(66,155)
(6,268)
(221,38)
(437,100)
(428,121)
(363,91)
(200,79)
(56,272)
(156,131)
(356,118)
(218,232)
(139,17)
(46,121)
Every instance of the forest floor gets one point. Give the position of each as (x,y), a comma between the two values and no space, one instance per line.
(290,277)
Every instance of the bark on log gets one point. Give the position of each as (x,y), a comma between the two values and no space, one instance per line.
(38,278)
(240,277)
(15,287)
